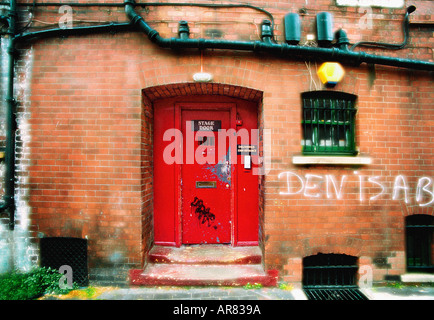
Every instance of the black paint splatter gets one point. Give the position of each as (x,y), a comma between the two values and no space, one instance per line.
(203,213)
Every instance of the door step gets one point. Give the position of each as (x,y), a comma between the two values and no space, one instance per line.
(204,265)
(206,254)
(202,275)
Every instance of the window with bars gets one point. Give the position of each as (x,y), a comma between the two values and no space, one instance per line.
(329,270)
(419,242)
(328,123)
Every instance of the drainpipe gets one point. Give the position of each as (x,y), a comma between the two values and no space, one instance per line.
(13,38)
(341,54)
(8,203)
(8,198)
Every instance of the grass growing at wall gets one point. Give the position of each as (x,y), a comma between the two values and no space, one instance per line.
(30,285)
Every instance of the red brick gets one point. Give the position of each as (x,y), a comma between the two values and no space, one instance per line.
(91,132)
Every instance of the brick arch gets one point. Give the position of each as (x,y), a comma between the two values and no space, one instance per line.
(153,93)
(409,209)
(339,244)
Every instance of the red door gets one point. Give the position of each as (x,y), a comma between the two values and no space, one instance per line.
(198,197)
(206,178)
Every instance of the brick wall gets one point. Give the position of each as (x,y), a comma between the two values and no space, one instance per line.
(89,126)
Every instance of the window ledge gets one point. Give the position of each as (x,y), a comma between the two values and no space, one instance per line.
(337,160)
(417,277)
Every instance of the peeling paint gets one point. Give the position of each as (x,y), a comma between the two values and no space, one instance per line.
(222,169)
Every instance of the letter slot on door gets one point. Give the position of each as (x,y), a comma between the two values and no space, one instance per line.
(206,184)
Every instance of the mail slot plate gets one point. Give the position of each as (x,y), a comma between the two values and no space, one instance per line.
(206,184)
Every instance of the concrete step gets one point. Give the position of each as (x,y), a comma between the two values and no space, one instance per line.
(204,265)
(161,274)
(206,254)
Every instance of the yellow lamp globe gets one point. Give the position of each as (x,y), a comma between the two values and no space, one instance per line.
(331,73)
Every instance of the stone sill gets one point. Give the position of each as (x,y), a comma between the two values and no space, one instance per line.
(334,160)
(417,278)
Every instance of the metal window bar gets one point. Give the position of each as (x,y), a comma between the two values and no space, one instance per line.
(329,275)
(328,123)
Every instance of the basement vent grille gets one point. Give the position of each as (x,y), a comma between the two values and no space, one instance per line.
(331,277)
(334,294)
(58,251)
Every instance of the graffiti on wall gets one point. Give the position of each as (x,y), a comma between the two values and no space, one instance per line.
(364,187)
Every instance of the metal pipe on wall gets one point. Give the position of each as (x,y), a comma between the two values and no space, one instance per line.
(8,198)
(341,54)
(8,203)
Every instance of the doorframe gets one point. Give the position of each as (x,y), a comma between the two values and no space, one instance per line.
(191,106)
(160,95)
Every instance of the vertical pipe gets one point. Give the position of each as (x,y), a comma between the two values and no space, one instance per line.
(10,121)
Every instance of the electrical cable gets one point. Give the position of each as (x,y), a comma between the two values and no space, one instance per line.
(390,46)
(32,14)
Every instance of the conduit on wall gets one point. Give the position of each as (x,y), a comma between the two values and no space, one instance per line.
(267,45)
(341,54)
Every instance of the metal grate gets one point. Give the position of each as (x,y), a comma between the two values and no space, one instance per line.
(58,251)
(331,277)
(328,122)
(329,270)
(335,294)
